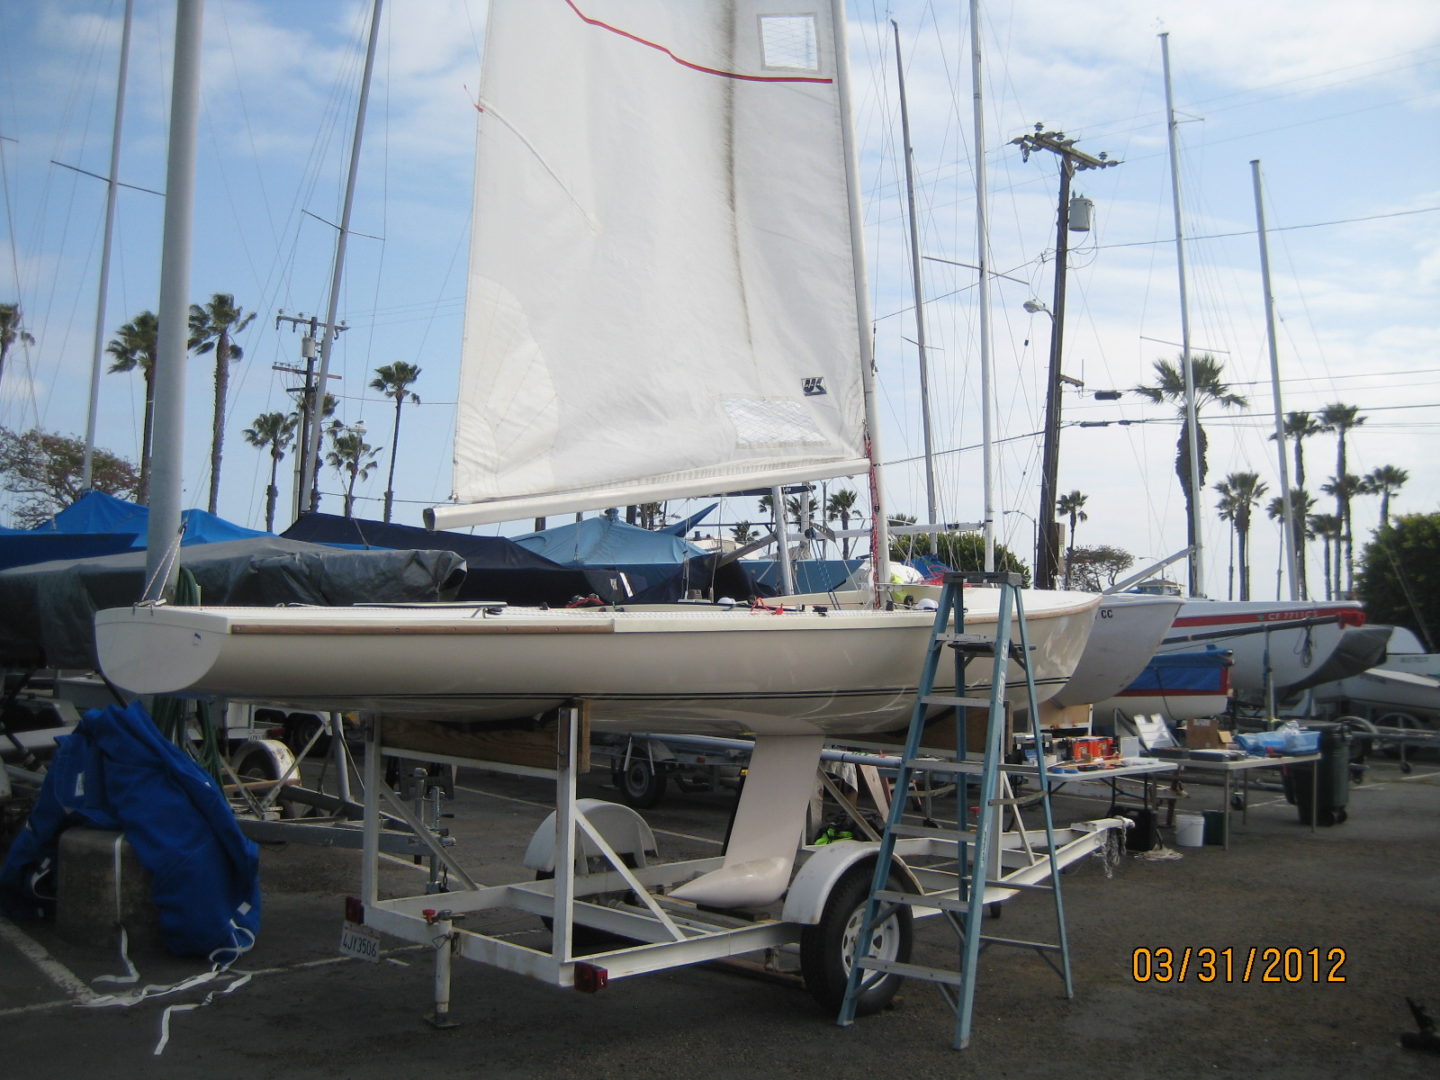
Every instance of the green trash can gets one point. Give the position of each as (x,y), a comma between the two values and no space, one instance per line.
(1325,783)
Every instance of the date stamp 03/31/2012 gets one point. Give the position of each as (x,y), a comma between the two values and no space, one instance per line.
(1242,964)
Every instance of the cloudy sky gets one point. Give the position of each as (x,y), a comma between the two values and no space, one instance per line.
(1339,103)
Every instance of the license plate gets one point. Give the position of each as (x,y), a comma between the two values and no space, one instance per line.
(360,942)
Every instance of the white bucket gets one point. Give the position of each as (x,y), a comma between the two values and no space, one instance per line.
(1190,830)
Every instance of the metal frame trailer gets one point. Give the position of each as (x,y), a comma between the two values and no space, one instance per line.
(596,875)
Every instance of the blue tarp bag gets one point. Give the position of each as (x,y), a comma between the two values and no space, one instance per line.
(116,772)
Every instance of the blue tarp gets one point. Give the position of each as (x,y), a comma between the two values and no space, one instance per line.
(1185,671)
(117,773)
(607,541)
(100,524)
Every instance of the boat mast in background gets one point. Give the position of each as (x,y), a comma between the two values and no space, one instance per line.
(982,246)
(112,183)
(917,284)
(1292,560)
(167,452)
(1197,562)
(308,488)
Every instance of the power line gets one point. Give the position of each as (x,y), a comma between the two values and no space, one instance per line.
(1277,228)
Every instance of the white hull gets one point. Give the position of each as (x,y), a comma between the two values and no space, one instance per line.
(711,671)
(1175,706)
(1386,691)
(1294,639)
(1128,630)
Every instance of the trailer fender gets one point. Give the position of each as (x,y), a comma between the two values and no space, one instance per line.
(264,759)
(622,828)
(821,871)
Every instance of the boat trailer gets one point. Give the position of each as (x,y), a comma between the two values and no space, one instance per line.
(614,911)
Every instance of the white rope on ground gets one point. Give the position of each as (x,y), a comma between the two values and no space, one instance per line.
(218,968)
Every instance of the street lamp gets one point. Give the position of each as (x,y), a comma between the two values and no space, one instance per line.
(1034,307)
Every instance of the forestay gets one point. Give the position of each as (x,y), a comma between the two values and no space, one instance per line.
(663,297)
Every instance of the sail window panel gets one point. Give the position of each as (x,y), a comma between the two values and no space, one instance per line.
(789,43)
(770,423)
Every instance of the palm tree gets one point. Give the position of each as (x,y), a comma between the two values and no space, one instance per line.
(276,431)
(1327,528)
(1300,505)
(793,508)
(393,380)
(838,507)
(1340,419)
(1343,489)
(1069,506)
(133,347)
(213,327)
(11,332)
(1384,481)
(1205,376)
(1239,492)
(352,457)
(1299,426)
(742,532)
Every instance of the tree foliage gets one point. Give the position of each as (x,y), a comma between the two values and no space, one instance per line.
(1209,386)
(213,326)
(1399,575)
(44,470)
(959,551)
(393,380)
(1093,569)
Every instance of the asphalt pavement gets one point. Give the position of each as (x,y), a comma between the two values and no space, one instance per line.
(1352,913)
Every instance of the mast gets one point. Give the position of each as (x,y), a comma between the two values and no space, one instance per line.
(112,184)
(880,528)
(311,462)
(1197,562)
(917,284)
(1288,517)
(167,453)
(982,244)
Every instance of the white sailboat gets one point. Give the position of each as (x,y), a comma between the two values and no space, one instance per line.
(666,298)
(1280,648)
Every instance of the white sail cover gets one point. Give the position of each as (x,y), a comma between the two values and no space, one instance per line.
(663,298)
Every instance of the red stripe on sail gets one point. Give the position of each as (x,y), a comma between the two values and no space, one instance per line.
(689,64)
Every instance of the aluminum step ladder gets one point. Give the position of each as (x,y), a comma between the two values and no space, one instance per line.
(976,848)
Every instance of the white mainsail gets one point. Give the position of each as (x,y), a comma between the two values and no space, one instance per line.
(663,296)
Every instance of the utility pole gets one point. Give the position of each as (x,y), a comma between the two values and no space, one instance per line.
(1047,552)
(312,406)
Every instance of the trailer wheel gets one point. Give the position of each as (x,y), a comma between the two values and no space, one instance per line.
(641,784)
(266,760)
(827,950)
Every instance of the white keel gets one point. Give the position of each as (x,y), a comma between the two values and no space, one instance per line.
(766,834)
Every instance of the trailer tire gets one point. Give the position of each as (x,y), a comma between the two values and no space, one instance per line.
(267,760)
(641,784)
(827,949)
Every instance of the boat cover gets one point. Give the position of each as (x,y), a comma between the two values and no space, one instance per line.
(1192,672)
(116,773)
(47,611)
(100,524)
(609,561)
(496,568)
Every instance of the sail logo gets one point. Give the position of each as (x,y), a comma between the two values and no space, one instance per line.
(813,386)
